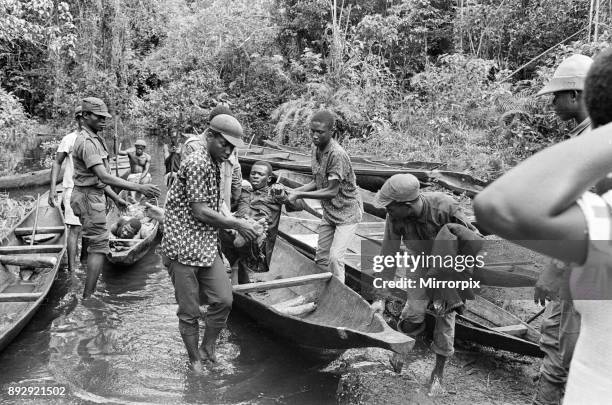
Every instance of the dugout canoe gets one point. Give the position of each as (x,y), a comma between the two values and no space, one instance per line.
(340,319)
(43,177)
(295,179)
(126,252)
(371,174)
(483,322)
(369,159)
(20,299)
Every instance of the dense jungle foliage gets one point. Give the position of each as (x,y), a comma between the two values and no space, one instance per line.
(443,80)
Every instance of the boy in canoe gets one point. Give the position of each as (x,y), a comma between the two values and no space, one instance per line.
(92,184)
(561,323)
(258,201)
(544,204)
(140,163)
(64,153)
(419,220)
(335,185)
(190,242)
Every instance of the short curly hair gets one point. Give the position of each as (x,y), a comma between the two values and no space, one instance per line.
(598,89)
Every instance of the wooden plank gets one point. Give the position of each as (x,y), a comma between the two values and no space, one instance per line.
(31,249)
(19,297)
(28,261)
(282,283)
(26,231)
(514,330)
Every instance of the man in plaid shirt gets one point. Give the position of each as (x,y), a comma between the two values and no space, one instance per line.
(190,244)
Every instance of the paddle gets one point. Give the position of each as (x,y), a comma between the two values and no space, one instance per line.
(282,283)
(35,219)
(536,315)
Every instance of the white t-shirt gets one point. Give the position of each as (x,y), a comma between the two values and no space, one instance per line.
(590,375)
(66,146)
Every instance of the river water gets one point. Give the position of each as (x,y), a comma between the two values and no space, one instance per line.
(123,346)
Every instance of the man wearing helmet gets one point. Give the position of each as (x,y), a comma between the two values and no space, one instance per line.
(561,324)
(190,243)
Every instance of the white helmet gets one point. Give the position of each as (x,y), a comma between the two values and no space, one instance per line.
(569,75)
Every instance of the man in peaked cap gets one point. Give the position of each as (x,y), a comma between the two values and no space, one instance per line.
(190,242)
(92,184)
(64,152)
(561,323)
(416,219)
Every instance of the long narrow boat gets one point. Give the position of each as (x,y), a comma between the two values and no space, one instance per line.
(126,252)
(370,174)
(270,147)
(43,177)
(295,179)
(332,317)
(19,299)
(483,322)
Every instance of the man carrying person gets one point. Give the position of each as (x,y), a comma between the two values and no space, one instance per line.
(140,163)
(561,324)
(231,173)
(190,242)
(92,181)
(419,219)
(335,185)
(64,152)
(256,203)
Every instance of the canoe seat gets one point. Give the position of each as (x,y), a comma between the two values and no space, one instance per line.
(19,297)
(514,330)
(31,249)
(282,282)
(27,231)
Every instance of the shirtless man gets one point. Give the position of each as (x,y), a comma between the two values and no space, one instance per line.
(140,163)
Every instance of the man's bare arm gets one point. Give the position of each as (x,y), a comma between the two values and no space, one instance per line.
(149,190)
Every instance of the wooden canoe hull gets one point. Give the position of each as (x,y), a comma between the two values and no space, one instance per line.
(14,316)
(371,174)
(43,177)
(341,320)
(473,326)
(137,251)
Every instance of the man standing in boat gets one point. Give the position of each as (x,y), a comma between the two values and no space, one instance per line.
(416,219)
(561,324)
(190,242)
(92,183)
(140,163)
(335,185)
(64,153)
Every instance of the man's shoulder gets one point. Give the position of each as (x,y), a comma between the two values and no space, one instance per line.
(336,148)
(198,157)
(440,200)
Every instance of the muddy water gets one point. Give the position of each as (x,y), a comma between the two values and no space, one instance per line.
(123,346)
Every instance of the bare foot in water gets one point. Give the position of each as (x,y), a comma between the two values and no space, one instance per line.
(197,366)
(435,386)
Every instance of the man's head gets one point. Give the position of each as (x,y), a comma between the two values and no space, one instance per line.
(567,85)
(322,126)
(400,196)
(94,113)
(140,146)
(598,89)
(223,134)
(128,228)
(261,175)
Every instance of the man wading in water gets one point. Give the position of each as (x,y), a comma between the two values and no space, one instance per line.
(92,180)
(190,242)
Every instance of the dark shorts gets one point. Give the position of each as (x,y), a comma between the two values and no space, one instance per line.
(89,204)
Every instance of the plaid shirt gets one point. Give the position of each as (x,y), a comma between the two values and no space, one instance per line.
(346,207)
(187,240)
